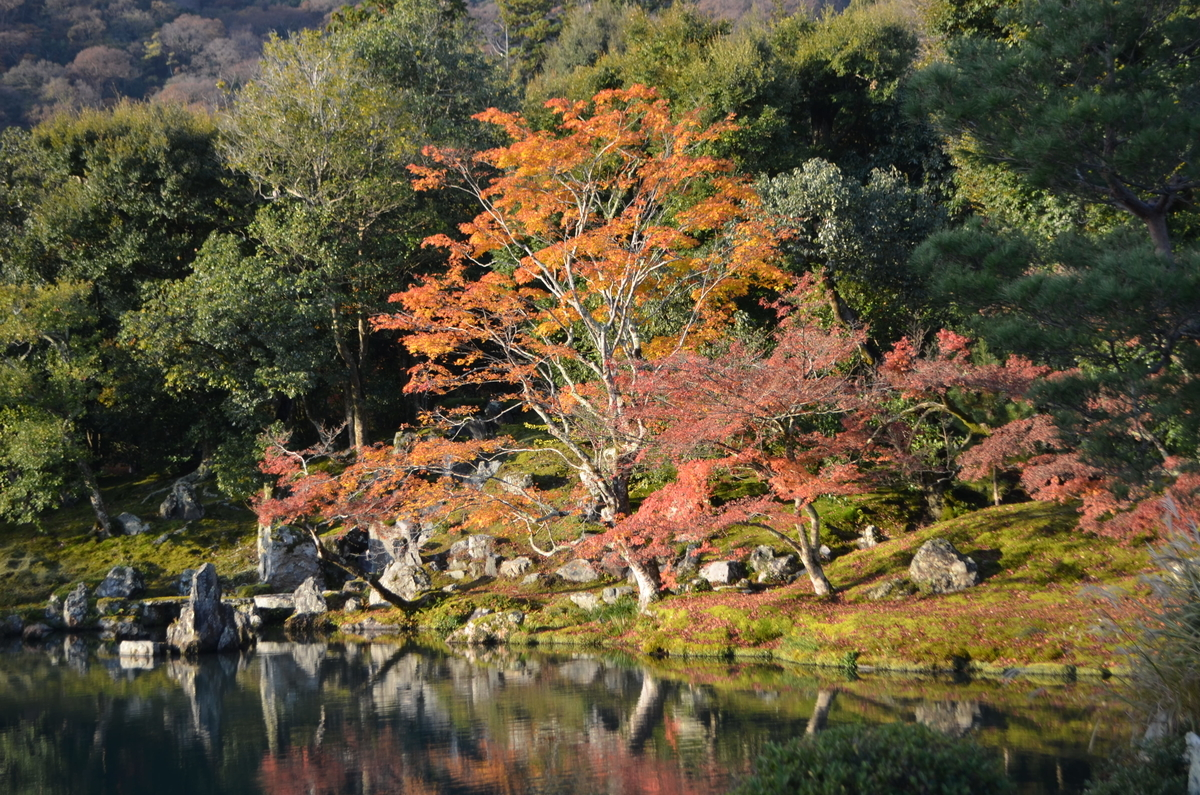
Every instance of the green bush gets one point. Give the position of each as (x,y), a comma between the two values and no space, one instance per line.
(892,759)
(1153,768)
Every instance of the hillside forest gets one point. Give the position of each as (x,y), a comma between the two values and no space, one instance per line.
(694,273)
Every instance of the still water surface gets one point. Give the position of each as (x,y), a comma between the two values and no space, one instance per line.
(379,718)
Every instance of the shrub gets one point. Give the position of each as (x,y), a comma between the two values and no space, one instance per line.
(892,759)
(1155,767)
(1165,680)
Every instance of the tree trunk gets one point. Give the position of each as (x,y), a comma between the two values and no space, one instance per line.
(810,550)
(1156,224)
(647,582)
(96,498)
(356,403)
(647,713)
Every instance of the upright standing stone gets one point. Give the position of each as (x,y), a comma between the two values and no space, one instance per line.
(206,624)
(75,609)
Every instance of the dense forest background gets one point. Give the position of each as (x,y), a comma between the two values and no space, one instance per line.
(183,273)
(57,56)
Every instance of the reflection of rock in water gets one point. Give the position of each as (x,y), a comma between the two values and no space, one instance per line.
(76,653)
(954,718)
(403,684)
(205,684)
(581,672)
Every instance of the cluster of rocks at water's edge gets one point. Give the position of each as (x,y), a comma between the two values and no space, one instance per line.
(204,622)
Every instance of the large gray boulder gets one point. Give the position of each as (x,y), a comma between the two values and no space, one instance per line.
(939,568)
(760,558)
(780,570)
(181,504)
(75,608)
(578,571)
(206,624)
(308,599)
(722,572)
(406,581)
(286,557)
(121,582)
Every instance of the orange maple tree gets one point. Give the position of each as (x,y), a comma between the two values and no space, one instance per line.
(602,246)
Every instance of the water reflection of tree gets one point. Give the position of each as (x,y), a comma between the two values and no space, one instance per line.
(379,718)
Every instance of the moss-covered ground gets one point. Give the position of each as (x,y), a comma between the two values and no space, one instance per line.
(1040,603)
(36,562)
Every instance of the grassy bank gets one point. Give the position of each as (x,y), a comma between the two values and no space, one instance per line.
(1038,608)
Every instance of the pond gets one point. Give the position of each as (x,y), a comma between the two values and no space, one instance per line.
(394,718)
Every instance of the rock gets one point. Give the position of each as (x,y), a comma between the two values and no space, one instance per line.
(488,629)
(307,598)
(371,627)
(406,581)
(456,574)
(1191,755)
(689,564)
(305,626)
(160,612)
(181,504)
(274,608)
(286,557)
(614,566)
(722,572)
(586,601)
(870,538)
(578,571)
(121,628)
(491,566)
(75,609)
(36,631)
(54,608)
(206,624)
(531,579)
(131,525)
(141,648)
(760,558)
(825,554)
(516,482)
(481,547)
(122,582)
(891,589)
(612,595)
(336,600)
(12,626)
(356,586)
(184,584)
(780,570)
(353,604)
(939,568)
(515,568)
